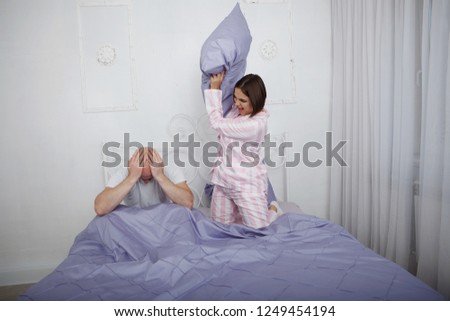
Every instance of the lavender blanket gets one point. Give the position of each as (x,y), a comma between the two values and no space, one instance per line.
(167,252)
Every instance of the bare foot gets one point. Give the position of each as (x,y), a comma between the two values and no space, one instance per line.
(274,206)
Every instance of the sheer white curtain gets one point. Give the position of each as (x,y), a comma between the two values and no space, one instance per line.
(433,240)
(374,108)
(396,128)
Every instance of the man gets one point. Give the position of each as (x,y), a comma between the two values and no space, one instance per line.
(145,182)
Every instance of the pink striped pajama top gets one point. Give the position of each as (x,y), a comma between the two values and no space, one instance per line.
(241,167)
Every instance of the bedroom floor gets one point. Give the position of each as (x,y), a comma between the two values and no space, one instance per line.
(11,292)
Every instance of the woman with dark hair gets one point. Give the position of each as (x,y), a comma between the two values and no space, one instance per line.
(240,178)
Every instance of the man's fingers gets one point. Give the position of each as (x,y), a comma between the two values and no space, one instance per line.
(156,155)
(156,160)
(141,158)
(134,160)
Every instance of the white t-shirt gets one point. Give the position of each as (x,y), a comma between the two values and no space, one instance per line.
(141,194)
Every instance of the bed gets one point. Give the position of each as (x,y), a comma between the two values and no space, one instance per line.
(167,252)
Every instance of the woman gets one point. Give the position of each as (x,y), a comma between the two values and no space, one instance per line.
(240,179)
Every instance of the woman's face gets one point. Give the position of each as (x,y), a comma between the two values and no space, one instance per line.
(242,102)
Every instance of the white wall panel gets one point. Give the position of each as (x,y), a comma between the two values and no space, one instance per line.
(106,56)
(271,54)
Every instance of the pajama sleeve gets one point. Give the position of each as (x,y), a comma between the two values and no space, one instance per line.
(240,128)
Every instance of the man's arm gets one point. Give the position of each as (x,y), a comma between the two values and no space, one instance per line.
(179,193)
(109,198)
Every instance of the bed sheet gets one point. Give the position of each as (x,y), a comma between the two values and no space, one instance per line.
(286,207)
(168,252)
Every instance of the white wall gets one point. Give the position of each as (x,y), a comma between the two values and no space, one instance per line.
(309,119)
(51,150)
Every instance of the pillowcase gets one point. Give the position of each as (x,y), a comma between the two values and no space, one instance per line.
(226,49)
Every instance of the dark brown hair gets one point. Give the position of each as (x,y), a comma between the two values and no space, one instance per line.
(253,87)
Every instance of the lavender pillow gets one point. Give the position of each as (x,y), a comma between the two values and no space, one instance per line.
(226,49)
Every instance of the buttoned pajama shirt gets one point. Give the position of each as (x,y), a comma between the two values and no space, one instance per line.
(240,192)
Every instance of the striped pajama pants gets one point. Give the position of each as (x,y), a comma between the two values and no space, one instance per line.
(230,206)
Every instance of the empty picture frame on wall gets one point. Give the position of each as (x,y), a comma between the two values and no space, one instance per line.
(271,52)
(107,63)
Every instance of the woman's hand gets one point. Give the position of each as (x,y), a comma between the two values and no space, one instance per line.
(216,80)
